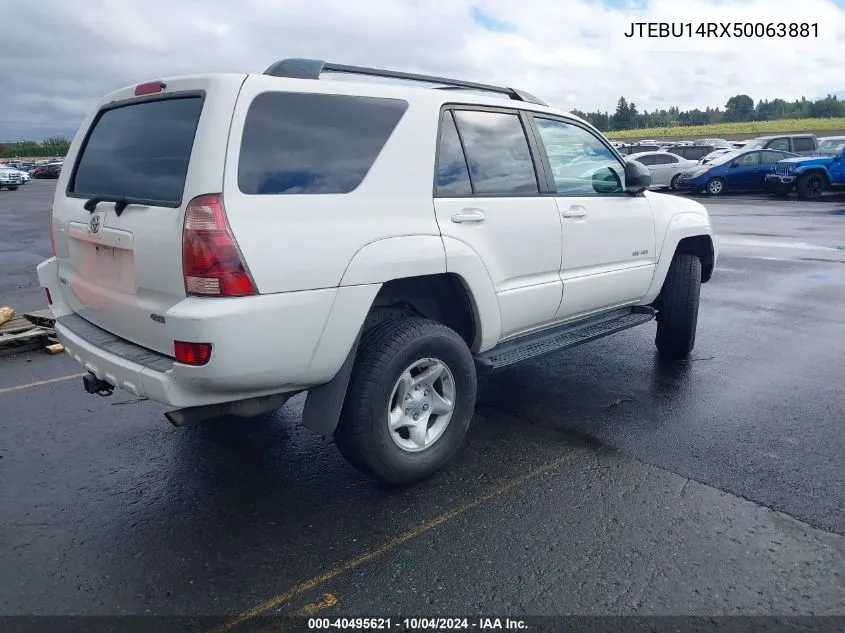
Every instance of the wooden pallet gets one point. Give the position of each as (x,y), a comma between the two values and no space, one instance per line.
(30,329)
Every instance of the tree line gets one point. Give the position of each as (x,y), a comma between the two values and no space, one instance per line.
(739,108)
(53,146)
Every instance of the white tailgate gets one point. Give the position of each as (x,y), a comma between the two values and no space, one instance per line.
(124,272)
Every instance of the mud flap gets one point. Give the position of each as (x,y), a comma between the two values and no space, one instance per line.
(324,403)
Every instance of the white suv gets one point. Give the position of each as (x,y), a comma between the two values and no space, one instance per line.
(223,242)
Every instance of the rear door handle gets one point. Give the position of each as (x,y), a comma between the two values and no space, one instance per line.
(469,215)
(575,211)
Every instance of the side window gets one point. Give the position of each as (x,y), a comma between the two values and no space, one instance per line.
(770,157)
(803,144)
(295,143)
(582,165)
(452,172)
(497,153)
(647,160)
(678,151)
(781,144)
(664,159)
(749,160)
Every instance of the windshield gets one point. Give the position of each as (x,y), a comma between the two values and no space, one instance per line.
(757,142)
(832,146)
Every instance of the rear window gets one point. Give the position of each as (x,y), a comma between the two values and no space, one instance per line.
(803,144)
(297,143)
(139,151)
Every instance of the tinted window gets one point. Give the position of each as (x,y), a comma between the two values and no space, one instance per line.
(770,158)
(749,160)
(803,144)
(139,151)
(452,173)
(664,159)
(699,152)
(647,160)
(778,143)
(313,143)
(581,164)
(497,153)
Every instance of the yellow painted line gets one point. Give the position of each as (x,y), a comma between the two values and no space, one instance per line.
(316,581)
(40,382)
(328,600)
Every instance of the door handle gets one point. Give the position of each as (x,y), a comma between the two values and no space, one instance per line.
(575,211)
(469,215)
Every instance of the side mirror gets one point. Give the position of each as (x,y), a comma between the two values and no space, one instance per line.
(637,177)
(837,157)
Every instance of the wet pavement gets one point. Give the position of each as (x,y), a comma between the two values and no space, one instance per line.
(597,481)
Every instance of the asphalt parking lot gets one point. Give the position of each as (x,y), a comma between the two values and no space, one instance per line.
(597,481)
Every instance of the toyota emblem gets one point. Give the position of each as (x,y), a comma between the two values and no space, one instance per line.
(95,224)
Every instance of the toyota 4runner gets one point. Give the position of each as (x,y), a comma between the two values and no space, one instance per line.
(223,242)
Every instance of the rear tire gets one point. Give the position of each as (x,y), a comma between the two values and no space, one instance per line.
(377,432)
(677,316)
(811,186)
(12,188)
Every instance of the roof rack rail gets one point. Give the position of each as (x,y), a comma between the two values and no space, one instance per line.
(312,69)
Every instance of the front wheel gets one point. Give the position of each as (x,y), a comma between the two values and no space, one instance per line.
(811,186)
(410,400)
(677,316)
(12,188)
(715,186)
(673,184)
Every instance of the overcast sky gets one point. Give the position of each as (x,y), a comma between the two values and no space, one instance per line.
(59,56)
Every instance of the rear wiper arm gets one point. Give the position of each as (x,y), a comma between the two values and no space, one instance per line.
(120,203)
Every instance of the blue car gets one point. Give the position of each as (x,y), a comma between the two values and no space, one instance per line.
(741,170)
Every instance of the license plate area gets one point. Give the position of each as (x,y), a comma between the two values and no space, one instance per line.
(104,266)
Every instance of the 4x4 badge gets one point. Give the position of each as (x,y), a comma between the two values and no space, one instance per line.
(95,224)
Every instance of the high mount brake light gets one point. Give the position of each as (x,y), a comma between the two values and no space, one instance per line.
(211,261)
(150,88)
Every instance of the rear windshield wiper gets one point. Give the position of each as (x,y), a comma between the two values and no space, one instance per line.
(120,203)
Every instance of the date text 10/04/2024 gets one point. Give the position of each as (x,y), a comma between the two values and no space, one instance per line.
(723,29)
(416,624)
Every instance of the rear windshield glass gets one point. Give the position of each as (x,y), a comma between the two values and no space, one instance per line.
(313,143)
(140,151)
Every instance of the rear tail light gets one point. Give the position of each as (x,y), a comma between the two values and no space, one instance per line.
(49,297)
(211,261)
(195,354)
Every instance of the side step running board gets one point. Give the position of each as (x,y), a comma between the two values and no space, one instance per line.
(562,337)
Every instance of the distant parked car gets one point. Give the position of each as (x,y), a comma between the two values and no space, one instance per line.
(17,170)
(802,144)
(811,175)
(10,179)
(692,152)
(52,170)
(639,148)
(665,167)
(743,170)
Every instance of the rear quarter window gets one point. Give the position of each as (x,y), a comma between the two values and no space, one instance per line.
(297,143)
(140,150)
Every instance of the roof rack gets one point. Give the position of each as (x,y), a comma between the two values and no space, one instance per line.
(313,68)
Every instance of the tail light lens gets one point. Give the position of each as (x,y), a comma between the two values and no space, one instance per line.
(212,264)
(195,354)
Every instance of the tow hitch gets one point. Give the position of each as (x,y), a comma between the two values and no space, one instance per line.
(94,385)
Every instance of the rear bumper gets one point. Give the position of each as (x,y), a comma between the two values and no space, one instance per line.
(260,345)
